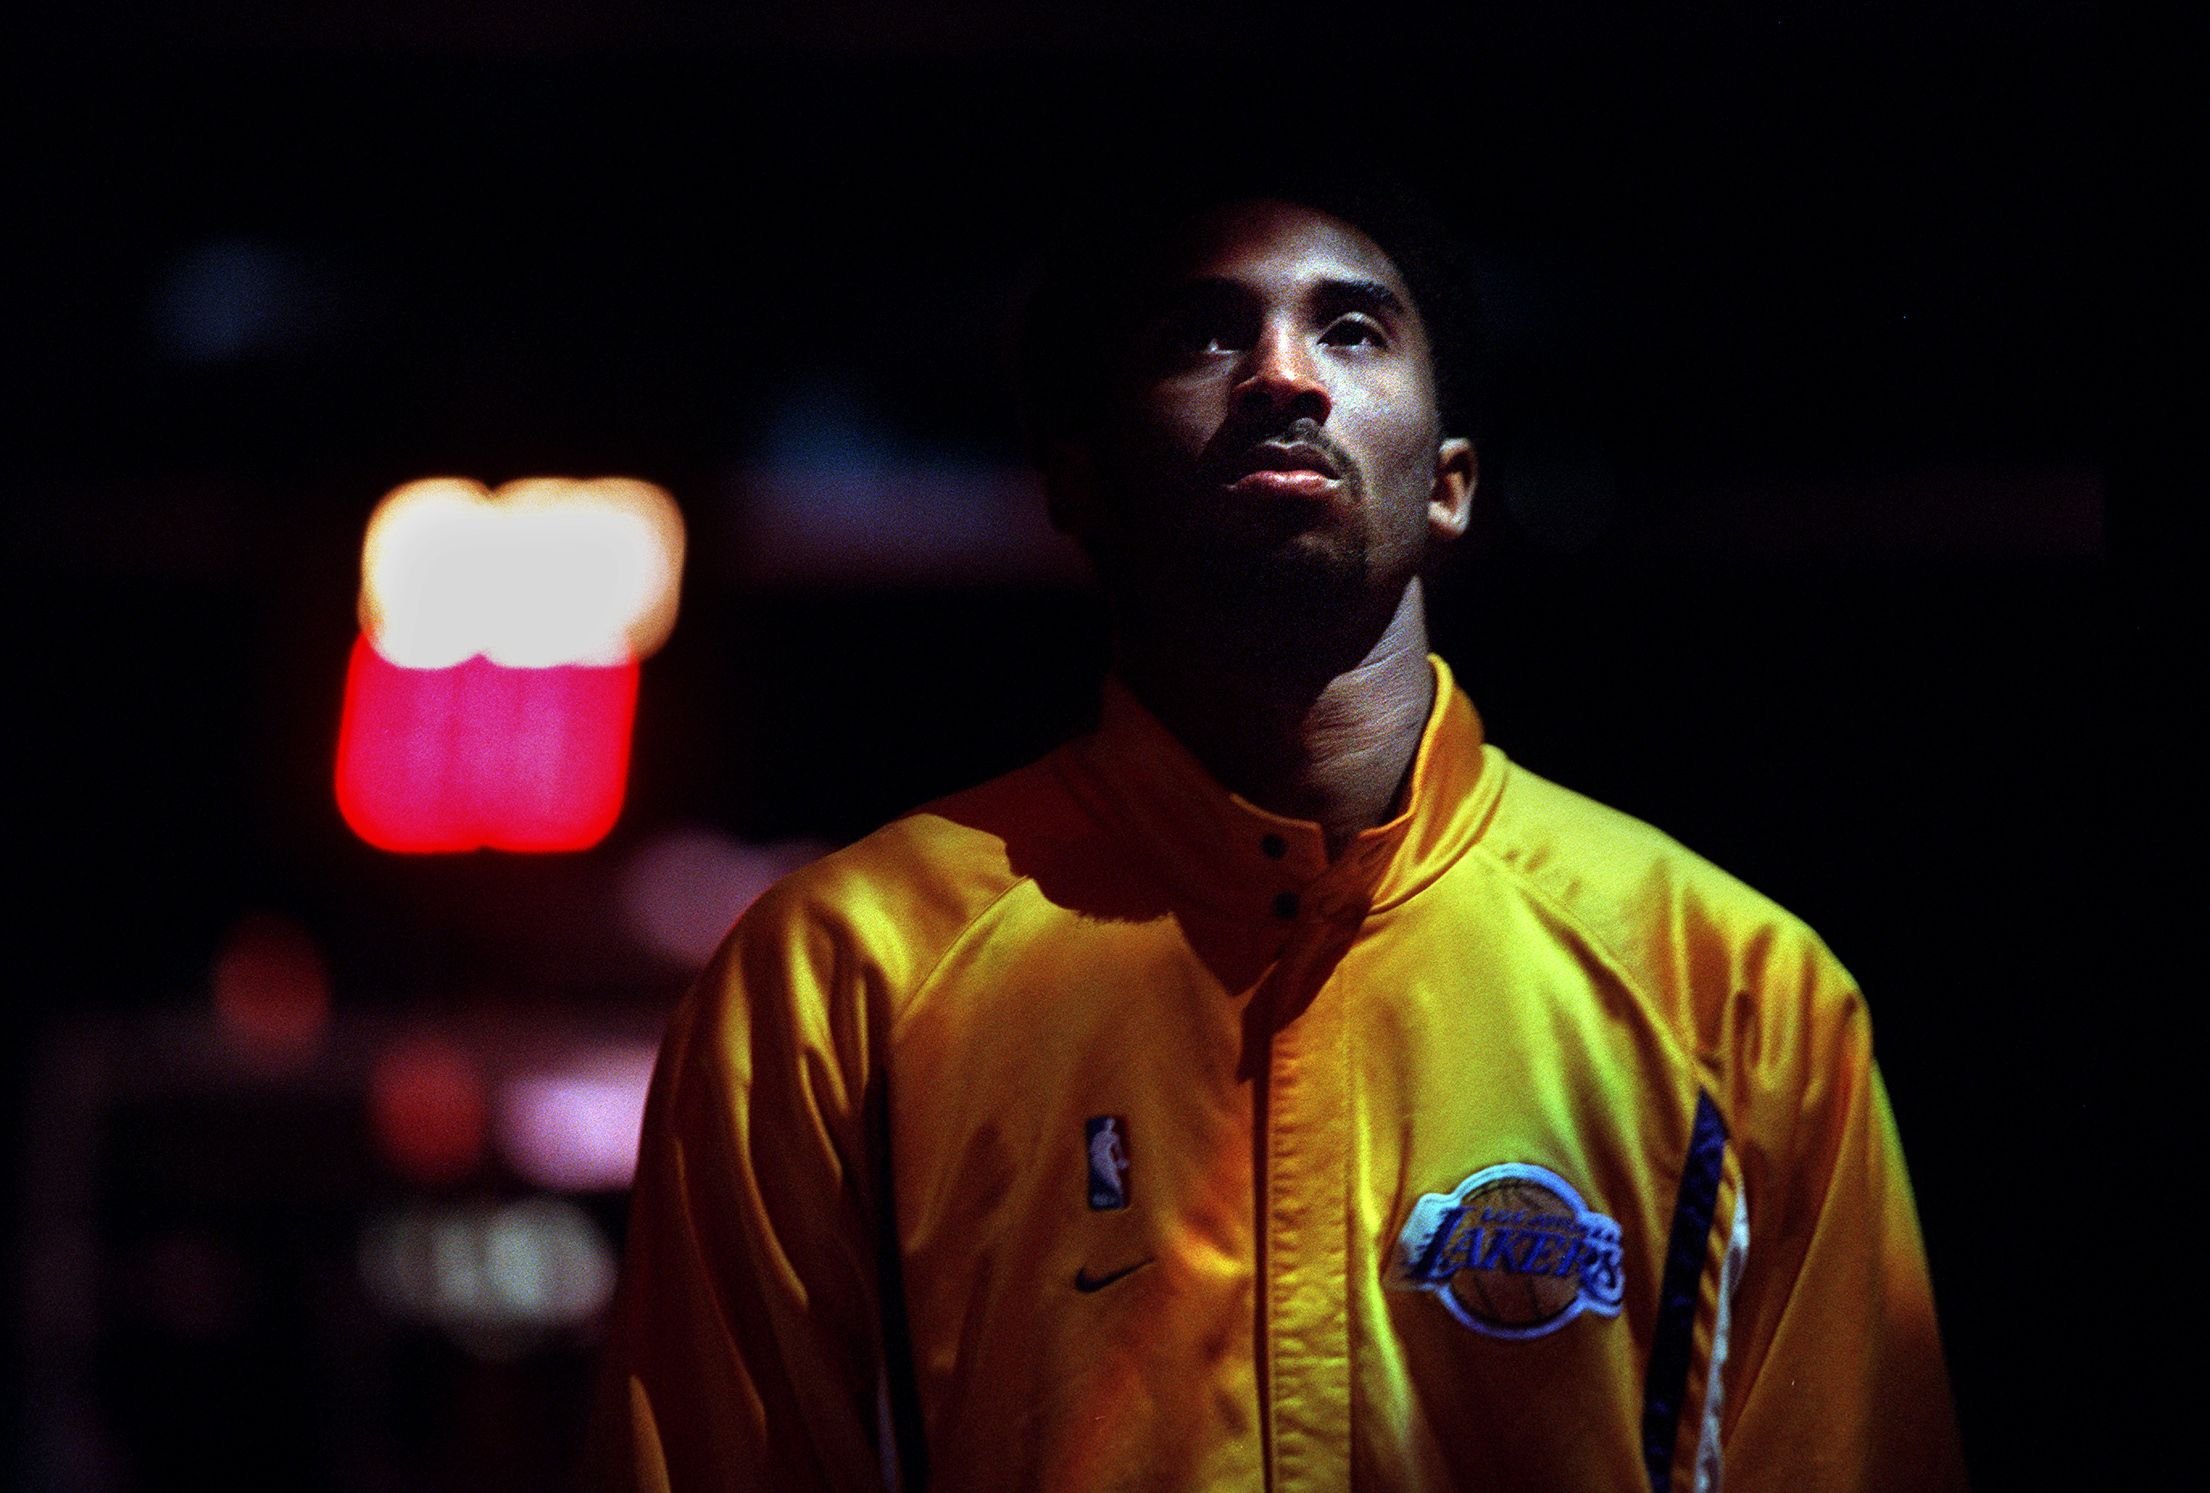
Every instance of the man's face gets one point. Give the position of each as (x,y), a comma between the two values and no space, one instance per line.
(1273,417)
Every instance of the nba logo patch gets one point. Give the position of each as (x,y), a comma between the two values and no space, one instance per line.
(1105,1138)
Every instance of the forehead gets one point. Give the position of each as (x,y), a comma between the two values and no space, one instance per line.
(1275,246)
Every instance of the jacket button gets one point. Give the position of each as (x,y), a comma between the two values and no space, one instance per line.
(1285,904)
(1274,847)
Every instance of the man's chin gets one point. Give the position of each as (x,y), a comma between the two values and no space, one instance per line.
(1286,577)
(1303,568)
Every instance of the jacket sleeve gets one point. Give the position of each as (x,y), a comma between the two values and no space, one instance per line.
(1835,1379)
(746,1345)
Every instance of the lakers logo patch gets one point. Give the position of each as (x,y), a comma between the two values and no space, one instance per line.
(1512,1252)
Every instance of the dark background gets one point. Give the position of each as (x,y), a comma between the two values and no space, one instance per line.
(1814,530)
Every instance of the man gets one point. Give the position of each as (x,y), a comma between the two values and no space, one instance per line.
(1278,1088)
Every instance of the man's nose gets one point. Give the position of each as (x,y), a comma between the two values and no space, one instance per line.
(1280,379)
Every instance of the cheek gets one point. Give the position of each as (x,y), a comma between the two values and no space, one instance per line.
(1400,439)
(1141,467)
(1161,437)
(1181,415)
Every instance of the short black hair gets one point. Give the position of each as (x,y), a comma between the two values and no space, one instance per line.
(1108,239)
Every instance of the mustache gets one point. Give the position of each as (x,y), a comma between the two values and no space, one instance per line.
(1244,448)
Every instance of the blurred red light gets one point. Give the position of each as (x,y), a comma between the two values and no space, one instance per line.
(489,700)
(272,990)
(428,1107)
(478,755)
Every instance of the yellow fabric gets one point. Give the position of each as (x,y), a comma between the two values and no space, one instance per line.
(866,1173)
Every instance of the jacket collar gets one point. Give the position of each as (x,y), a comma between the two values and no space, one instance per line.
(1220,850)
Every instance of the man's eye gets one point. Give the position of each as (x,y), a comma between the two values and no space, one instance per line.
(1200,335)
(1354,331)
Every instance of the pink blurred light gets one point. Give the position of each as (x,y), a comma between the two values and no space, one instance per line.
(574,1128)
(682,888)
(477,755)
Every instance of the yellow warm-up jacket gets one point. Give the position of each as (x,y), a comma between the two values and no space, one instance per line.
(1093,1130)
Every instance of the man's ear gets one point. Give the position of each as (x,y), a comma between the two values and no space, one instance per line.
(1450,500)
(1073,493)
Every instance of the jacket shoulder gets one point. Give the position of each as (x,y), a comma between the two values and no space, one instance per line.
(1730,969)
(892,904)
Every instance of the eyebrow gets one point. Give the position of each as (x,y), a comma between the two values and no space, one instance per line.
(1358,295)
(1335,296)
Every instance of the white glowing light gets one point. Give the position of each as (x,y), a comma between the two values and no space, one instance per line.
(574,1128)
(543,572)
(535,1264)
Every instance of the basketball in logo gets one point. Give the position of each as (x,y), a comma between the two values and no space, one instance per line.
(1498,1290)
(1512,1252)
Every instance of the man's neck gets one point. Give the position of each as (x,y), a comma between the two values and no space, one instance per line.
(1334,749)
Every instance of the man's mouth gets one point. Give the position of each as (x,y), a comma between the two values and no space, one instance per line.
(1286,456)
(1286,468)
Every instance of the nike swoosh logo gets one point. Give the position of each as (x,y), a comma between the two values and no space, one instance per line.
(1086,1282)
